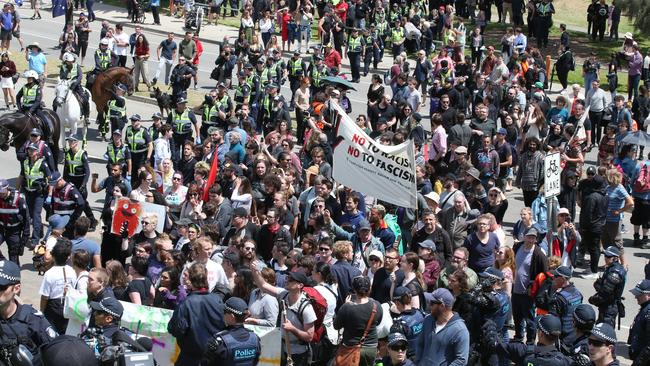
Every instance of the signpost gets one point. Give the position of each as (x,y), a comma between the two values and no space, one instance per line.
(552,186)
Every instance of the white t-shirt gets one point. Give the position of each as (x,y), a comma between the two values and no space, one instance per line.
(54,281)
(308,316)
(216,274)
(121,38)
(328,291)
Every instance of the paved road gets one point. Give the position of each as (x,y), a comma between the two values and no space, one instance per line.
(46,32)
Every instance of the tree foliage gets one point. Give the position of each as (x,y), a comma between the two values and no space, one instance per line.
(639,12)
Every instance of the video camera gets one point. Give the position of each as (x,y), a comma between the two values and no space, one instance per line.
(120,350)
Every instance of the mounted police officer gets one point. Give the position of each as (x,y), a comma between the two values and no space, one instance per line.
(30,101)
(354,50)
(489,304)
(235,345)
(609,288)
(567,298)
(43,149)
(182,120)
(33,180)
(584,318)
(296,69)
(72,72)
(103,61)
(116,111)
(139,142)
(76,170)
(118,153)
(20,324)
(602,345)
(544,353)
(14,220)
(639,338)
(409,321)
(67,204)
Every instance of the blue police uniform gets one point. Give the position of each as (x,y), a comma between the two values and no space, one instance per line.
(609,289)
(44,150)
(566,301)
(35,182)
(409,323)
(182,124)
(234,346)
(639,338)
(28,327)
(14,222)
(67,204)
(578,350)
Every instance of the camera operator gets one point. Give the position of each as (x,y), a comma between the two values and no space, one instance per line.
(106,315)
(235,344)
(489,304)
(19,324)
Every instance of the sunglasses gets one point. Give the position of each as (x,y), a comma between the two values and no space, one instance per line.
(398,348)
(176,178)
(145,222)
(249,249)
(596,343)
(373,259)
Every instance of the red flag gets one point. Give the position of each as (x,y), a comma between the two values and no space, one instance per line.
(212,177)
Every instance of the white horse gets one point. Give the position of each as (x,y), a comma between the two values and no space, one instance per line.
(68,110)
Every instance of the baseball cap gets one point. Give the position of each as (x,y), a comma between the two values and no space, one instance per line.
(549,325)
(563,211)
(299,277)
(364,225)
(428,244)
(183,222)
(32,146)
(117,131)
(563,271)
(9,273)
(72,138)
(502,131)
(492,273)
(397,338)
(612,251)
(236,305)
(181,100)
(441,296)
(36,132)
(377,254)
(641,288)
(603,332)
(532,231)
(55,178)
(539,85)
(108,305)
(399,292)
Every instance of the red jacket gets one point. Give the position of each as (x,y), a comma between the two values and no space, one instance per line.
(333,59)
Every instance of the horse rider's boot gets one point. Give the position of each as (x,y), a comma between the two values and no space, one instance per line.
(86,109)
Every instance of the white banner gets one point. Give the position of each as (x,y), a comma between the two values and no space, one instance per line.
(152,322)
(384,172)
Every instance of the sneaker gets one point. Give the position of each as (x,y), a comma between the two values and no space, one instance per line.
(589,276)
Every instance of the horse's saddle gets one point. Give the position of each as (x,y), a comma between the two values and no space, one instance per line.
(42,121)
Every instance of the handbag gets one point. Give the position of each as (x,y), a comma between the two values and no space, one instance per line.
(351,355)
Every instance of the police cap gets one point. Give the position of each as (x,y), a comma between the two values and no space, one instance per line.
(493,274)
(612,251)
(236,306)
(36,132)
(641,288)
(584,314)
(603,332)
(563,271)
(550,325)
(108,305)
(66,350)
(135,117)
(56,176)
(9,273)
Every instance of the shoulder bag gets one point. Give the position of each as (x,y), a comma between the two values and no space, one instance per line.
(351,355)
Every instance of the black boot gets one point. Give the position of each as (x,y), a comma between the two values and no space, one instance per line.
(15,258)
(637,241)
(644,243)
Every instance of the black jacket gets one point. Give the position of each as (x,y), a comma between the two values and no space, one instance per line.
(593,212)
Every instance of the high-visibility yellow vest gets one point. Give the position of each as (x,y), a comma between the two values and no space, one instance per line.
(74,164)
(33,173)
(354,44)
(136,140)
(182,122)
(29,95)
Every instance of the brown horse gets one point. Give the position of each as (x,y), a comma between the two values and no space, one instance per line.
(16,127)
(103,86)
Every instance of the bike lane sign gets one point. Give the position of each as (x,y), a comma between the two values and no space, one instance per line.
(552,170)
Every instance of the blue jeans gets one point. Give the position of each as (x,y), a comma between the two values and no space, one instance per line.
(589,78)
(633,86)
(89,7)
(57,221)
(35,206)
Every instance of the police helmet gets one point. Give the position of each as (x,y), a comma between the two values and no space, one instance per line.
(69,57)
(103,42)
(30,74)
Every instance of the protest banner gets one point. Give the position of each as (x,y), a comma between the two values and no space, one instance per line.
(127,211)
(152,322)
(384,172)
(159,210)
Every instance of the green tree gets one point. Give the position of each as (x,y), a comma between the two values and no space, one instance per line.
(639,12)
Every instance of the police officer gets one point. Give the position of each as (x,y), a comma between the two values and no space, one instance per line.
(253,82)
(317,71)
(20,324)
(272,105)
(209,115)
(383,30)
(489,304)
(72,72)
(106,314)
(118,153)
(182,75)
(600,20)
(33,180)
(235,345)
(139,142)
(182,120)
(242,91)
(29,100)
(371,49)
(296,69)
(609,288)
(584,318)
(76,170)
(116,111)
(14,220)
(544,11)
(103,61)
(223,105)
(409,321)
(397,38)
(639,338)
(354,49)
(43,149)
(544,353)
(602,345)
(67,204)
(567,298)
(154,129)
